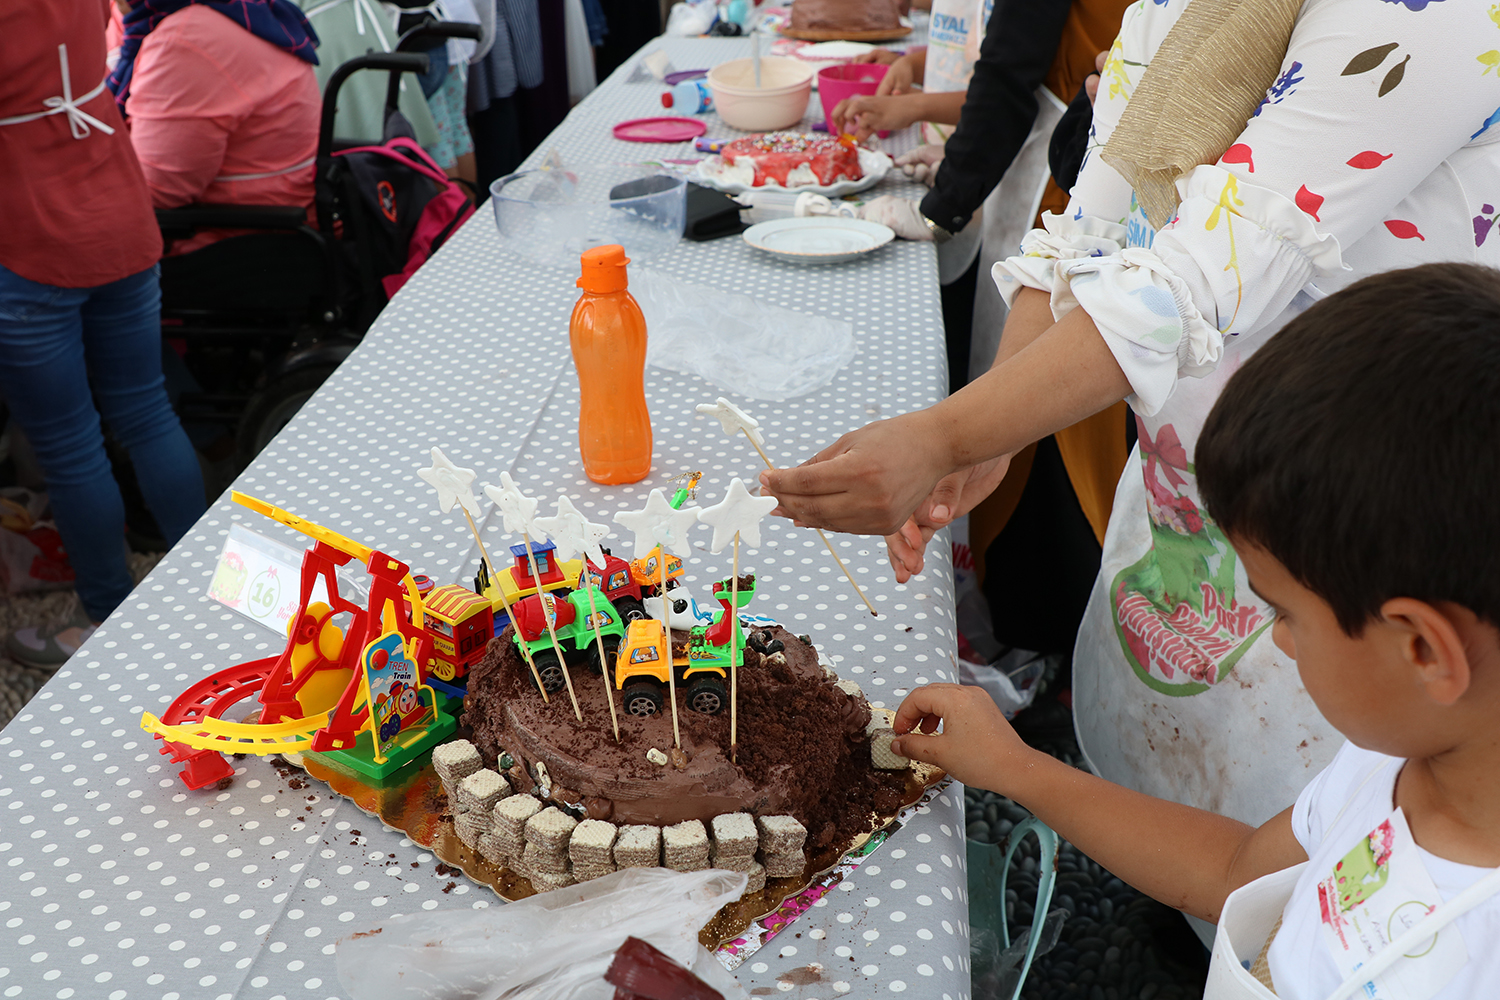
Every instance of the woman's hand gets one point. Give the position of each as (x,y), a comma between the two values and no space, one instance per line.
(869,481)
(977,746)
(863,116)
(921,164)
(953,497)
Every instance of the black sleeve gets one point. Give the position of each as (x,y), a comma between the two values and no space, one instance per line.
(1070,140)
(1019,46)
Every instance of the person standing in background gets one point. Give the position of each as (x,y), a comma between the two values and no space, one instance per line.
(80,307)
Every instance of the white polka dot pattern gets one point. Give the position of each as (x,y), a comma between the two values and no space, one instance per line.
(116,881)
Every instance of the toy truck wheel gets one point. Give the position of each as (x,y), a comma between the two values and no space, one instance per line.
(707,696)
(642,698)
(443,670)
(630,610)
(550,669)
(611,650)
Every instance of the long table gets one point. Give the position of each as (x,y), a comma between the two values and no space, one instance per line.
(117,881)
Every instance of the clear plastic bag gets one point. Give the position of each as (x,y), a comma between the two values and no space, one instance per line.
(552,946)
(740,344)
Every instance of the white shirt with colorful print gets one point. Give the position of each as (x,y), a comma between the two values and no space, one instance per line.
(1377,147)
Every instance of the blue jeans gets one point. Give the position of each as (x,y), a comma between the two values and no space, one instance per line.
(61,349)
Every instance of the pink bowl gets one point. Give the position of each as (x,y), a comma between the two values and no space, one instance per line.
(852,80)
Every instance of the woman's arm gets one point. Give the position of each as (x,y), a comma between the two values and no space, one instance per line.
(871,480)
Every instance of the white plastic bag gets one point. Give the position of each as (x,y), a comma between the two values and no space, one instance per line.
(740,344)
(552,946)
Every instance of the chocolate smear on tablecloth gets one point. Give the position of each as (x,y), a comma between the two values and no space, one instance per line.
(802,745)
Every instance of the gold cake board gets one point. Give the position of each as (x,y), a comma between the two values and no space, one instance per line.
(418,807)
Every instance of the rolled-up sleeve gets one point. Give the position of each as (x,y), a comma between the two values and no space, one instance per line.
(1353,125)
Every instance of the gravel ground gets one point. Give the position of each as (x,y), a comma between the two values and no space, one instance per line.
(1115,943)
(18,682)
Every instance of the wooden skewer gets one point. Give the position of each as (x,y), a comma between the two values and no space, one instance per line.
(666,627)
(551,631)
(734,648)
(826,542)
(599,645)
(490,568)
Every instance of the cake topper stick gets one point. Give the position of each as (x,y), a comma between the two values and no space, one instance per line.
(740,512)
(456,485)
(734,419)
(575,535)
(658,524)
(519,511)
(734,655)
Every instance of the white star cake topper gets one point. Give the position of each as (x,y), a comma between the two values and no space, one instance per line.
(658,523)
(733,420)
(518,509)
(740,511)
(453,484)
(572,533)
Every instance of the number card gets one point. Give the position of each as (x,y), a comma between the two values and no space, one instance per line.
(260,578)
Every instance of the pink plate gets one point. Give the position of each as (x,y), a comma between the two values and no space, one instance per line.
(660,129)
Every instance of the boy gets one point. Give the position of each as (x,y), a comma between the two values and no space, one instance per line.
(1354,462)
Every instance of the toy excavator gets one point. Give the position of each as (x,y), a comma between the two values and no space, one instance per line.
(313,695)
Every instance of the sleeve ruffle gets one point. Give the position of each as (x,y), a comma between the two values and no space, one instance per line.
(1147,318)
(1063,238)
(1235,256)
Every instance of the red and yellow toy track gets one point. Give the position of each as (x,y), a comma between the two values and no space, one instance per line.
(312,693)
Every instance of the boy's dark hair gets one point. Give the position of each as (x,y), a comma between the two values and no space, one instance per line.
(1361,445)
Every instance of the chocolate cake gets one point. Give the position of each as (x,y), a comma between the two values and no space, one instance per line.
(803,747)
(845,17)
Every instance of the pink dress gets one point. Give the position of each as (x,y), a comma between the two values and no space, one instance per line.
(218,115)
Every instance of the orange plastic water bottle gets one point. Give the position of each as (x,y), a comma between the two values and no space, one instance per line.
(608,335)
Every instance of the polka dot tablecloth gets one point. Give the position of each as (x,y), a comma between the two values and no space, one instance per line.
(116,881)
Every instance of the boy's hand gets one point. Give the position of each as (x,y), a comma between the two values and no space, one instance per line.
(977,746)
(869,481)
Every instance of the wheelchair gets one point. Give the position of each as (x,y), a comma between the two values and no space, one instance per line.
(260,320)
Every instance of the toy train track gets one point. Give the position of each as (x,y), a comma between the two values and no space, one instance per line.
(218,692)
(209,733)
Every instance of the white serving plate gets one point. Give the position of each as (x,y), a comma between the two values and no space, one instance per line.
(874,164)
(818,239)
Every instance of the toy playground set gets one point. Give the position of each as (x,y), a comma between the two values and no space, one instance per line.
(373,688)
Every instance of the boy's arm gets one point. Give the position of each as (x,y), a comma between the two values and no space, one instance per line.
(1188,858)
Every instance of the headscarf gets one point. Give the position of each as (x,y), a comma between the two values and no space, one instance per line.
(279,22)
(1193,101)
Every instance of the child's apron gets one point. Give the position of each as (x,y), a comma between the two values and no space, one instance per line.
(1251,911)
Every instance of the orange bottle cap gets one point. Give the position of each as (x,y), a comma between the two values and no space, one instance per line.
(604,269)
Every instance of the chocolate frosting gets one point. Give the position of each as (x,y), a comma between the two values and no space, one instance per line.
(802,747)
(845,15)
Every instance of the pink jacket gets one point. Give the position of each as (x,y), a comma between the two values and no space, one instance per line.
(218,115)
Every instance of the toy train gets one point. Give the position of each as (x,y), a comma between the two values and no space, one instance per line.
(462,621)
